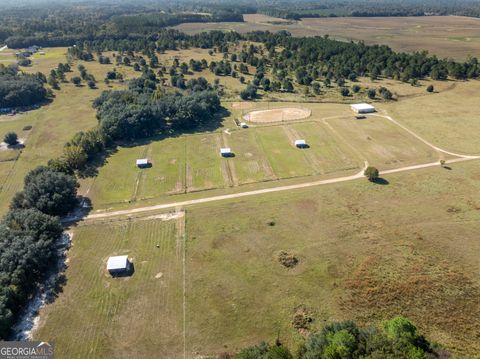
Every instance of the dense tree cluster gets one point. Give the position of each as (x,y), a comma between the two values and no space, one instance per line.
(28,236)
(397,338)
(27,250)
(18,89)
(129,114)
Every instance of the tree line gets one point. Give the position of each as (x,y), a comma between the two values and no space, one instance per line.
(29,233)
(309,58)
(397,338)
(65,24)
(19,89)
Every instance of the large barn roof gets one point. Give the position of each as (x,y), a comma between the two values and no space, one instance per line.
(362,106)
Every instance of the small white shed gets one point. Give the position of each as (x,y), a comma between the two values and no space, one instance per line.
(362,108)
(142,162)
(243,125)
(118,265)
(300,143)
(225,152)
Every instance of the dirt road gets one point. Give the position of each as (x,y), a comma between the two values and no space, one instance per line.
(359,175)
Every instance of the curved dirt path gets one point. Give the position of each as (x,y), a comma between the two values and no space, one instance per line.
(356,176)
(418,137)
(227,196)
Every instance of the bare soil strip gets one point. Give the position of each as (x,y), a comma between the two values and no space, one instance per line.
(278,115)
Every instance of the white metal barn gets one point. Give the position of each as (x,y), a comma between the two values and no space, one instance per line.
(300,143)
(118,265)
(142,162)
(362,108)
(225,152)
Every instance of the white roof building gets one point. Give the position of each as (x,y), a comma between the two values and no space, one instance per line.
(300,143)
(117,263)
(142,162)
(224,151)
(362,108)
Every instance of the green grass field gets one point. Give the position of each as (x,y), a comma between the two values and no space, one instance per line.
(366,252)
(383,143)
(136,316)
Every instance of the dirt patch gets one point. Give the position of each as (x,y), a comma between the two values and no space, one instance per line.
(287,260)
(302,320)
(278,115)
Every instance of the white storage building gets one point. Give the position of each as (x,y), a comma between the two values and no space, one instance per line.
(301,143)
(225,152)
(362,108)
(118,265)
(142,162)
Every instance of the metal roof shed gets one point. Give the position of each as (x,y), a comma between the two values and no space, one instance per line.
(225,151)
(142,162)
(118,264)
(362,108)
(300,143)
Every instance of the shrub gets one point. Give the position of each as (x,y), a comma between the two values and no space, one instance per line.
(76,80)
(371,173)
(11,138)
(430,88)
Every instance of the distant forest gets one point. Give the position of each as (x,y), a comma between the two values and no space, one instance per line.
(27,22)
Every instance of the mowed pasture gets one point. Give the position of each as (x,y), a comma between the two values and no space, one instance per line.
(382,143)
(192,163)
(445,36)
(97,316)
(449,119)
(337,145)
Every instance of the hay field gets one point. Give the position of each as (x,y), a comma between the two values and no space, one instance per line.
(97,316)
(366,252)
(444,36)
